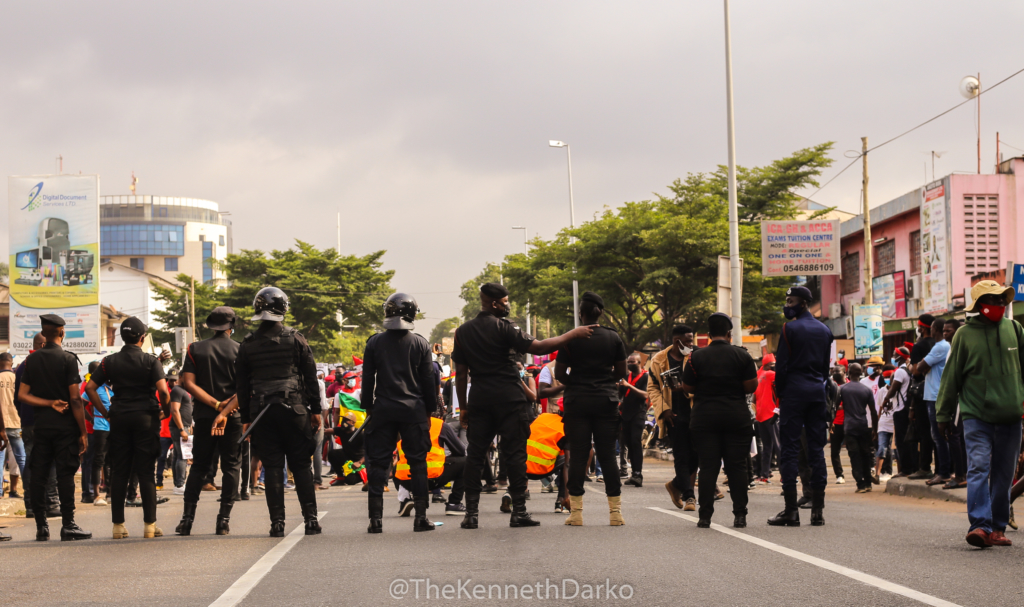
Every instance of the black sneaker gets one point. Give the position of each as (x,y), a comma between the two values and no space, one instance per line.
(405,508)
(506,503)
(438,498)
(489,489)
(455,509)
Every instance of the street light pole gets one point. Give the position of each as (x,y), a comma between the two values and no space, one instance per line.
(572,239)
(736,276)
(526,249)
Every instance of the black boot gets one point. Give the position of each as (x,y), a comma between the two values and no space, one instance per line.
(312,521)
(223,518)
(70,531)
(817,508)
(42,528)
(376,510)
(421,522)
(276,520)
(739,521)
(471,520)
(790,517)
(804,501)
(188,516)
(520,517)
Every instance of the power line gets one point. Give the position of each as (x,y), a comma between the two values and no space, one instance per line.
(907,132)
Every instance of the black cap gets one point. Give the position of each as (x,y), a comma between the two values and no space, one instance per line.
(494,290)
(594,298)
(51,319)
(221,319)
(132,329)
(802,292)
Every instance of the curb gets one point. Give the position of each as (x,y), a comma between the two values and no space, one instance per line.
(8,507)
(908,488)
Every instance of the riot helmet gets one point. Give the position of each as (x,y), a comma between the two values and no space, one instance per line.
(400,311)
(270,304)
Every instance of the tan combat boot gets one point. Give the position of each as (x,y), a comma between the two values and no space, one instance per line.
(576,511)
(119,531)
(152,531)
(615,511)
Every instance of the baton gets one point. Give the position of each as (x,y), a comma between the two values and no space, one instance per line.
(248,430)
(360,428)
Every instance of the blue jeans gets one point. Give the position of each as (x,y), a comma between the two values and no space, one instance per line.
(884,443)
(17,448)
(944,465)
(992,451)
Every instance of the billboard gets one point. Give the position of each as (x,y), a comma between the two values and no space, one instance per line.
(800,248)
(868,328)
(890,292)
(935,296)
(54,229)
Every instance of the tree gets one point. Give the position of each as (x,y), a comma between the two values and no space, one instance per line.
(470,293)
(320,285)
(175,311)
(443,328)
(4,272)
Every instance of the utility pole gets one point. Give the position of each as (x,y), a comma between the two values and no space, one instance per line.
(868,270)
(979,123)
(339,234)
(192,312)
(736,274)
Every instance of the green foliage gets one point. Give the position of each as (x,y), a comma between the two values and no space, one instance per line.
(319,284)
(443,328)
(175,312)
(470,293)
(4,272)
(655,263)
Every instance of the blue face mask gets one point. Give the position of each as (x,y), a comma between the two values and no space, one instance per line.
(888,381)
(895,361)
(790,312)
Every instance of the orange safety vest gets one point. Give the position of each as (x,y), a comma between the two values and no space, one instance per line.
(435,457)
(542,447)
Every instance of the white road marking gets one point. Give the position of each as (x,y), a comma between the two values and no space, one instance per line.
(244,585)
(862,577)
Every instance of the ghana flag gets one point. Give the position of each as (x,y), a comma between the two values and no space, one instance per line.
(345,403)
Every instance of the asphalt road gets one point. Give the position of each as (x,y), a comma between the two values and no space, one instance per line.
(906,544)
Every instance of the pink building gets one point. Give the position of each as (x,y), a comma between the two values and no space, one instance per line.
(929,246)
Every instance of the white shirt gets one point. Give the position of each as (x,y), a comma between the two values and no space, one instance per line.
(899,400)
(885,422)
(545,377)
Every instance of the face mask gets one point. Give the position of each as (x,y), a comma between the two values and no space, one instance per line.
(634,368)
(888,381)
(895,361)
(351,383)
(684,350)
(993,313)
(503,310)
(790,312)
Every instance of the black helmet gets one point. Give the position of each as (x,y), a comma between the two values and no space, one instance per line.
(399,311)
(270,304)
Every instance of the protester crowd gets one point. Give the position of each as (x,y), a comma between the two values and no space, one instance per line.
(944,409)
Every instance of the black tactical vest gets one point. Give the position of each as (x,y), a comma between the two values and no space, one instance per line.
(273,370)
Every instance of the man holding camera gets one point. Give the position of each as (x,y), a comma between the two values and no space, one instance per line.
(672,408)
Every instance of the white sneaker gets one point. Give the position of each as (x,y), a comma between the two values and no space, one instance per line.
(885,477)
(840,480)
(179,491)
(99,501)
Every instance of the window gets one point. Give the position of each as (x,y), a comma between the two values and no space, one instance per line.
(170,264)
(137,240)
(202,238)
(981,233)
(172,237)
(208,259)
(139,263)
(221,240)
(915,252)
(885,258)
(851,274)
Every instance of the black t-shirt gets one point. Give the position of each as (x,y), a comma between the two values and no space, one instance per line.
(132,374)
(632,403)
(397,371)
(920,350)
(49,373)
(181,395)
(717,373)
(212,361)
(591,364)
(855,398)
(488,345)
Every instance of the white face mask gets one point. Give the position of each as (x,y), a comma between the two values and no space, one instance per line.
(684,350)
(351,383)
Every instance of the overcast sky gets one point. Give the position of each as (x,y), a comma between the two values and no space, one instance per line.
(426,123)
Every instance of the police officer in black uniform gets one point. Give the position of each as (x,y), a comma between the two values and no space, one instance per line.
(50,384)
(135,418)
(487,347)
(278,393)
(399,393)
(208,374)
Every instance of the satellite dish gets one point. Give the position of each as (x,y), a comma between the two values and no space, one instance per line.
(970,86)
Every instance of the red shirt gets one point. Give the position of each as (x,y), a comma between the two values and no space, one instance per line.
(764,396)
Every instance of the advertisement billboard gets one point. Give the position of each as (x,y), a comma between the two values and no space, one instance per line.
(868,329)
(54,227)
(890,292)
(800,248)
(936,296)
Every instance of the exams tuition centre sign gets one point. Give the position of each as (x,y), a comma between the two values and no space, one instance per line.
(800,248)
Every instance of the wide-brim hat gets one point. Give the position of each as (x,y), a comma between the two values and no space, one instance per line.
(876,360)
(990,287)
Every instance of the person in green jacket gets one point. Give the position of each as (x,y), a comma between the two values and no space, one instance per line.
(983,383)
